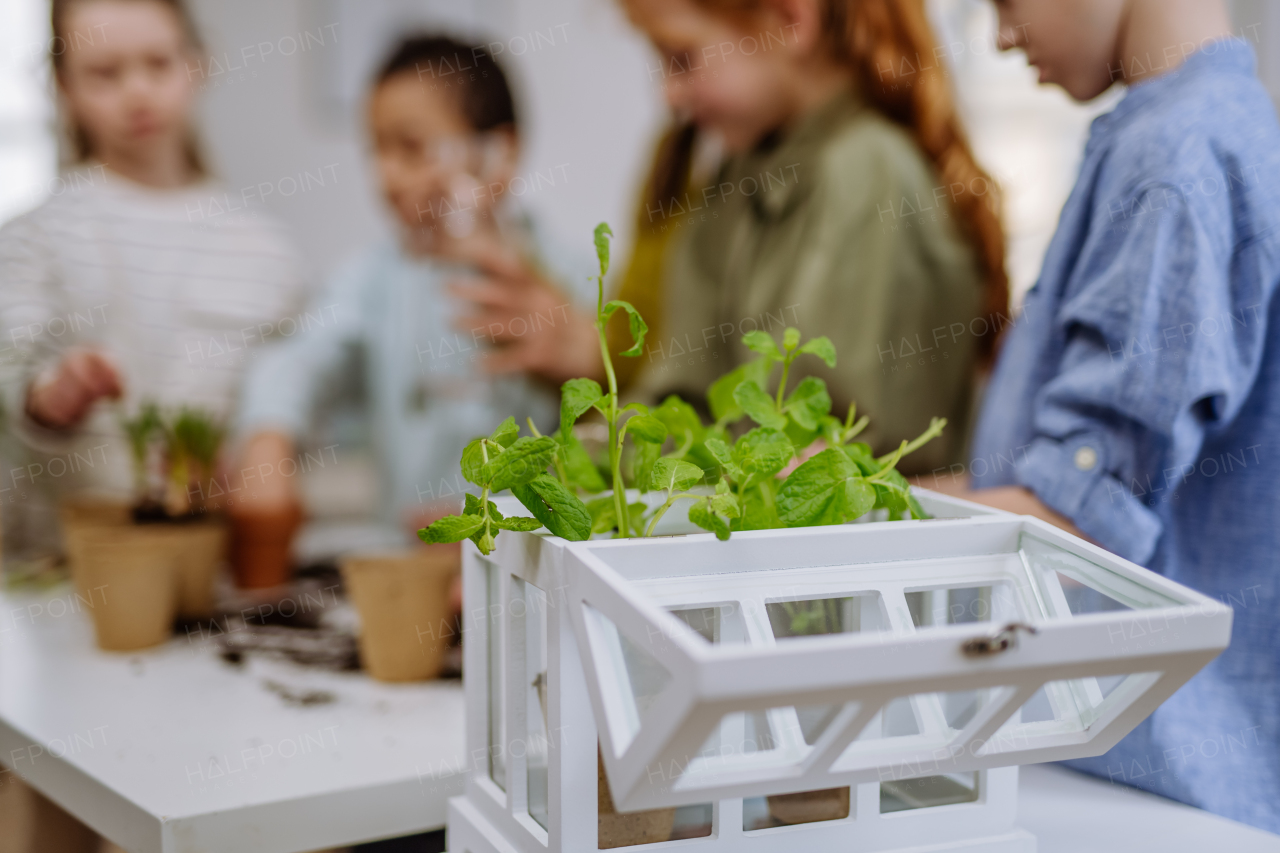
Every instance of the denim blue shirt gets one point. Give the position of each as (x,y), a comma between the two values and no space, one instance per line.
(1139,396)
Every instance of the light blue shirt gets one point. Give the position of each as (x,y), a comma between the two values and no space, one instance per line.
(426,394)
(1139,396)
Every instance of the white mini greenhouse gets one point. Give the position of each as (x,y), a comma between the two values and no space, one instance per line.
(866,687)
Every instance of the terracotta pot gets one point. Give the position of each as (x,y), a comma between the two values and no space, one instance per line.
(624,830)
(403,601)
(260,547)
(201,548)
(130,583)
(810,806)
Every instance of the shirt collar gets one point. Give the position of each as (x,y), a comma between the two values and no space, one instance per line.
(1222,56)
(791,154)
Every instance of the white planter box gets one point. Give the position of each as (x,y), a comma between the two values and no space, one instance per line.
(672,653)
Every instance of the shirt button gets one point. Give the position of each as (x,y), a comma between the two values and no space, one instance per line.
(1086,458)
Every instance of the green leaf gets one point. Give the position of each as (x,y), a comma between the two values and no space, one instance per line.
(472,507)
(799,436)
(637,324)
(808,403)
(681,419)
(604,514)
(862,456)
(473,463)
(721,452)
(506,433)
(451,528)
(646,428)
(675,475)
(642,464)
(831,429)
(578,467)
(518,524)
(827,489)
(720,396)
(726,505)
(602,233)
(758,511)
(893,493)
(638,408)
(701,514)
(761,343)
(577,396)
(859,498)
(556,507)
(524,460)
(822,348)
(761,453)
(790,338)
(758,405)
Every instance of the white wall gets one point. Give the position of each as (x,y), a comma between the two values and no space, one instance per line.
(590,111)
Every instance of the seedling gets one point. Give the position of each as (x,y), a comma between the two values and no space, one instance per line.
(739,482)
(184,448)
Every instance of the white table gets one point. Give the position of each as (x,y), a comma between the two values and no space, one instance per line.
(1069,812)
(174,751)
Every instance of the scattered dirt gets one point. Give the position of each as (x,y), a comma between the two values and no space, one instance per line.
(299,698)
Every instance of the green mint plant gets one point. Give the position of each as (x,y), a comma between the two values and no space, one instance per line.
(734,478)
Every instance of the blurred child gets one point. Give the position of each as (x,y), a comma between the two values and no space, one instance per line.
(849,206)
(1138,393)
(445,147)
(122,287)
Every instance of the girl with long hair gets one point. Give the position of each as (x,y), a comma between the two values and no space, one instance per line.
(848,204)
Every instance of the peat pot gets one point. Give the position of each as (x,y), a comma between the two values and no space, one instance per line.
(127,576)
(403,601)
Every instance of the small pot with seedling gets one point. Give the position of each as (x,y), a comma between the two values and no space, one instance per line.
(144,561)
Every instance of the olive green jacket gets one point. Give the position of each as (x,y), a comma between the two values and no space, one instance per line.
(836,229)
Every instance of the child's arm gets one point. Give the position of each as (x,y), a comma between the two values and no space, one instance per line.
(1162,341)
(281,387)
(51,387)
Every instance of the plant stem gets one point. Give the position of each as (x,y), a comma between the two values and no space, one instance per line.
(615,441)
(857,428)
(934,430)
(555,459)
(889,461)
(662,510)
(782,386)
(484,493)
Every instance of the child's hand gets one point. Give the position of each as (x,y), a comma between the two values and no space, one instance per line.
(61,399)
(266,485)
(532,326)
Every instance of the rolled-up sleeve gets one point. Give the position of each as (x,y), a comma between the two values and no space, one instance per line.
(1158,346)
